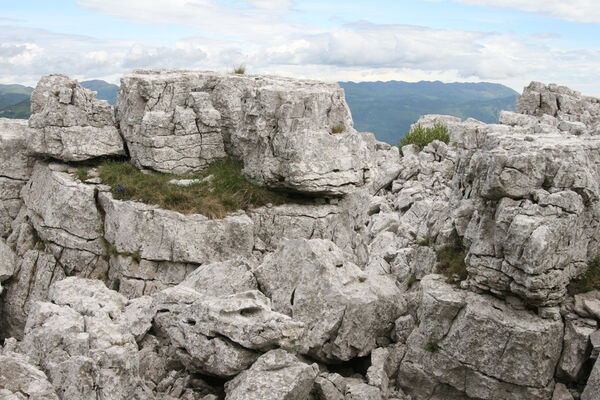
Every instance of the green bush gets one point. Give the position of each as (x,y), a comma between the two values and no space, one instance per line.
(421,137)
(587,282)
(240,69)
(226,192)
(451,262)
(338,128)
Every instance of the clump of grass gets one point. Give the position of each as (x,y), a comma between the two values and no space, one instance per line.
(116,284)
(227,192)
(421,137)
(424,241)
(338,128)
(362,278)
(432,347)
(240,69)
(136,256)
(82,174)
(412,280)
(587,282)
(451,262)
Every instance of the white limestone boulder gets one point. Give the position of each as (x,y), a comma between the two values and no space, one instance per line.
(281,128)
(275,375)
(345,310)
(68,122)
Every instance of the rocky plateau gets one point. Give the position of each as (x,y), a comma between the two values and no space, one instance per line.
(342,297)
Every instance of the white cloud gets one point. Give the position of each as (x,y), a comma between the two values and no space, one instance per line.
(573,10)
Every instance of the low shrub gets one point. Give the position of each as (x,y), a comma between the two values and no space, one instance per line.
(451,262)
(240,69)
(421,137)
(82,174)
(432,347)
(338,129)
(227,191)
(587,282)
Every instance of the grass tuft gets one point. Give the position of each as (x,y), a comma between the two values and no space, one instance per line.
(338,129)
(421,137)
(451,262)
(412,280)
(227,192)
(82,174)
(432,347)
(587,282)
(240,69)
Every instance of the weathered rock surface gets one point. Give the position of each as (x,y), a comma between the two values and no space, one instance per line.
(69,124)
(163,235)
(592,388)
(344,310)
(479,346)
(281,128)
(15,169)
(276,375)
(19,379)
(7,262)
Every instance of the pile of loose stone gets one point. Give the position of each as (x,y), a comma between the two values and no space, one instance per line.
(336,298)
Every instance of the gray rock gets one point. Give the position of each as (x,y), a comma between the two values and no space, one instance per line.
(177,121)
(19,379)
(163,235)
(592,387)
(335,387)
(512,355)
(344,309)
(561,392)
(576,348)
(595,342)
(275,375)
(69,124)
(7,262)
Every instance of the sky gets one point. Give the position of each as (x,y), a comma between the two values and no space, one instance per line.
(505,41)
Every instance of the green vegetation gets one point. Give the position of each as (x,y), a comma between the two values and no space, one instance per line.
(226,192)
(432,347)
(116,285)
(412,280)
(389,108)
(424,241)
(338,128)
(587,282)
(421,137)
(240,69)
(451,262)
(82,174)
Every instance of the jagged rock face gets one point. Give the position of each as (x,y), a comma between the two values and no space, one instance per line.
(479,346)
(69,124)
(275,375)
(569,106)
(345,310)
(281,128)
(20,379)
(15,167)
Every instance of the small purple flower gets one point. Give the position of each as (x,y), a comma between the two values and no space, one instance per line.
(119,188)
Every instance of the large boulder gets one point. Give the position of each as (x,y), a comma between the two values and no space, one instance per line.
(68,123)
(156,234)
(282,129)
(345,310)
(276,375)
(20,379)
(16,165)
(478,346)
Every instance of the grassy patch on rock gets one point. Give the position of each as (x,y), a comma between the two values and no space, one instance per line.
(421,137)
(451,262)
(587,282)
(222,190)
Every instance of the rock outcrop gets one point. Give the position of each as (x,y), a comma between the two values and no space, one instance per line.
(68,123)
(448,272)
(281,128)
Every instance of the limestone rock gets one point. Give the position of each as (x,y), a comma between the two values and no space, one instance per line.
(69,124)
(344,310)
(16,166)
(592,387)
(576,348)
(331,386)
(179,121)
(163,235)
(561,393)
(62,210)
(19,379)
(82,344)
(479,346)
(7,262)
(276,375)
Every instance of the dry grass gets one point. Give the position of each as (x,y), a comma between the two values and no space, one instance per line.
(240,69)
(587,282)
(338,129)
(451,262)
(227,192)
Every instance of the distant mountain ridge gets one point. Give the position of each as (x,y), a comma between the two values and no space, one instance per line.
(14,99)
(389,108)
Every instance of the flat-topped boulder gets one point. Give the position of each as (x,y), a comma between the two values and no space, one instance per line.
(68,123)
(292,134)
